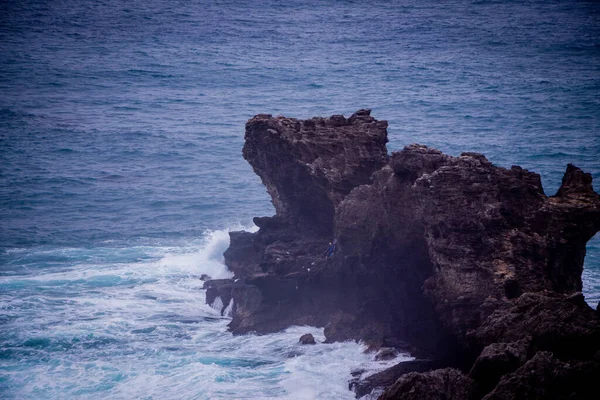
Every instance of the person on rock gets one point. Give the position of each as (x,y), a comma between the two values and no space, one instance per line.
(331,249)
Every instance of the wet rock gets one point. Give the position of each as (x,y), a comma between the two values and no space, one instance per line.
(440,384)
(383,379)
(241,255)
(309,166)
(293,354)
(247,298)
(218,288)
(451,255)
(307,338)
(357,372)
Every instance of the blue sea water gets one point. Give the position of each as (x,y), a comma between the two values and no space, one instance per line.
(121,128)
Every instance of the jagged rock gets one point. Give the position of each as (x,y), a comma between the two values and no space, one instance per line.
(499,359)
(386,353)
(307,338)
(241,255)
(218,288)
(440,384)
(546,377)
(448,254)
(565,325)
(247,298)
(381,380)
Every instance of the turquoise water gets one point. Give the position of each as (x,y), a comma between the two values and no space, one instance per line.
(121,128)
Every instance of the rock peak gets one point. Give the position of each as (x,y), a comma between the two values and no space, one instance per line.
(309,166)
(576,182)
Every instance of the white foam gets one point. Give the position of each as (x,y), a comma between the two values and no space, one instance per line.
(140,328)
(327,367)
(206,260)
(229,310)
(217,304)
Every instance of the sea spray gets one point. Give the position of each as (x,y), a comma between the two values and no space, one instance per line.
(131,322)
(206,261)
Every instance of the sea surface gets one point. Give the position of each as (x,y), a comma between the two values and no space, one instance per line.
(121,129)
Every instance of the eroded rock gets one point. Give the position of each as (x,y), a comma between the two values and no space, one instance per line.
(439,384)
(565,325)
(386,353)
(546,377)
(498,359)
(309,166)
(450,255)
(307,338)
(383,379)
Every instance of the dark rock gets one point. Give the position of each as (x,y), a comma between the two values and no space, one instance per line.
(293,354)
(247,298)
(450,255)
(241,255)
(420,160)
(546,377)
(218,288)
(575,183)
(497,236)
(498,359)
(385,378)
(309,168)
(307,338)
(554,322)
(386,353)
(442,384)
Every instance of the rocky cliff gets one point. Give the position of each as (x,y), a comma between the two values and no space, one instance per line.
(453,258)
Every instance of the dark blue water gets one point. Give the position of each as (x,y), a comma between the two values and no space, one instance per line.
(121,128)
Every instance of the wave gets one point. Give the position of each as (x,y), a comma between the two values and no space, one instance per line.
(132,322)
(207,260)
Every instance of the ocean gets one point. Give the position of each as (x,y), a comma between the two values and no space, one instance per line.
(121,129)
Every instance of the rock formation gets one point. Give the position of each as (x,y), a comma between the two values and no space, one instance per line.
(307,338)
(439,384)
(452,258)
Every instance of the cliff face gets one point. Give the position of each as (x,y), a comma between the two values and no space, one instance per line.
(432,250)
(488,232)
(309,166)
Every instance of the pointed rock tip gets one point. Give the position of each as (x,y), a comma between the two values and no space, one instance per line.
(575,181)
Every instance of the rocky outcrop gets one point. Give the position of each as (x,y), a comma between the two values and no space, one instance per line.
(565,325)
(498,359)
(382,379)
(307,338)
(448,257)
(386,353)
(440,384)
(309,166)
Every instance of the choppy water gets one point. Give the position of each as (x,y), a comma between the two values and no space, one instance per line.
(121,127)
(131,322)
